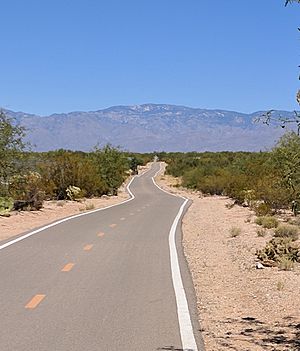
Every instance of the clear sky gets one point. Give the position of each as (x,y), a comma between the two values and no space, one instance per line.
(67,55)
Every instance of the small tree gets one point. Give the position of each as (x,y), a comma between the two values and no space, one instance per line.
(11,145)
(112,165)
(286,157)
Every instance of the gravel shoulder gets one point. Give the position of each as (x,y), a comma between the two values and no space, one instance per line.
(239,307)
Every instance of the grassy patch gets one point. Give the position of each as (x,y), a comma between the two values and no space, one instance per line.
(287,231)
(267,222)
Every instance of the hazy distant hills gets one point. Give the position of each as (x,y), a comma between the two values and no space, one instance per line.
(149,127)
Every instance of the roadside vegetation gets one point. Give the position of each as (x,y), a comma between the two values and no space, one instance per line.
(268,183)
(28,178)
(265,181)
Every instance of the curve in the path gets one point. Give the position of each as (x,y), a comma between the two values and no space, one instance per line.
(100,281)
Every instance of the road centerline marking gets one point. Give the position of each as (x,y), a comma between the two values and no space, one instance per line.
(68,267)
(122,219)
(14,241)
(100,234)
(88,247)
(35,301)
(113,225)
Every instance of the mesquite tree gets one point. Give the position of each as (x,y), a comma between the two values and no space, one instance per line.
(11,146)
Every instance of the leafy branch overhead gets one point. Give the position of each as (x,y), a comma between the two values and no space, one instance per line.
(269,118)
(290,1)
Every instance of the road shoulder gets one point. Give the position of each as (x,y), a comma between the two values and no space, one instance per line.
(239,307)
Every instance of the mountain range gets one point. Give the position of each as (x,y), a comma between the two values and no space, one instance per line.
(150,127)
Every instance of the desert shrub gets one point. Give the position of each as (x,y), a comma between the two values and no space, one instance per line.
(89,207)
(286,264)
(295,221)
(267,222)
(287,231)
(270,179)
(286,158)
(61,169)
(235,231)
(11,147)
(249,197)
(262,209)
(26,189)
(112,167)
(261,232)
(278,249)
(280,285)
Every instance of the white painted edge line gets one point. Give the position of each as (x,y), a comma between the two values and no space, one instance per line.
(184,319)
(68,219)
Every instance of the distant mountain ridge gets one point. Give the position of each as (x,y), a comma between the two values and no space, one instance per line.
(150,127)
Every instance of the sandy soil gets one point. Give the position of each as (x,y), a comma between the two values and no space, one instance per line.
(240,307)
(20,222)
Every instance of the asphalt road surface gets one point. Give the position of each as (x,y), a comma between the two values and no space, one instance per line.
(101,281)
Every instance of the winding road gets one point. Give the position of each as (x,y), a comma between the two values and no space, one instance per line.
(107,280)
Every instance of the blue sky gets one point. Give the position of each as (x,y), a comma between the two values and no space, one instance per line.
(63,55)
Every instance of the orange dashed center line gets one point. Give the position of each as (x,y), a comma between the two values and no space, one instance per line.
(100,234)
(113,225)
(35,301)
(68,267)
(88,247)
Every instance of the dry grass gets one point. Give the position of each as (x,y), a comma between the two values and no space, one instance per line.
(267,222)
(287,231)
(235,231)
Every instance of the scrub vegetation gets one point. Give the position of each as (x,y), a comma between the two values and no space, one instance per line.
(28,178)
(265,181)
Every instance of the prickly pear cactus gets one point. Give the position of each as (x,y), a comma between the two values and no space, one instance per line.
(73,192)
(6,205)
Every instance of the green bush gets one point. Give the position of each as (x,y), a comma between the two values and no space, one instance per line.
(270,179)
(287,231)
(262,209)
(26,189)
(267,222)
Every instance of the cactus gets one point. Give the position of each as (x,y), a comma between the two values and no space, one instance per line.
(278,249)
(6,205)
(73,192)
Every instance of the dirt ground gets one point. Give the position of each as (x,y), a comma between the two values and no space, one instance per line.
(240,307)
